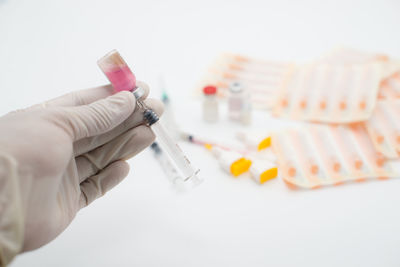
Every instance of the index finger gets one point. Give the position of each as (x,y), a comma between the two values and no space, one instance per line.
(86,96)
(81,97)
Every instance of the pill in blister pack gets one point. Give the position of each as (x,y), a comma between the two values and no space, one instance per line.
(319,155)
(384,128)
(330,93)
(390,87)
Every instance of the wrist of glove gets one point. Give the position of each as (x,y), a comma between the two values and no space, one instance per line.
(11,210)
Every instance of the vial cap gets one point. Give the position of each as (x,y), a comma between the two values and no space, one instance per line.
(210,90)
(236,87)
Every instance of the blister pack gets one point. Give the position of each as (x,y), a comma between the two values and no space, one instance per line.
(349,56)
(261,78)
(340,87)
(384,128)
(390,85)
(330,93)
(319,155)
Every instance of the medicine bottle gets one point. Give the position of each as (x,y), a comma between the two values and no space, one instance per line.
(246,109)
(235,101)
(239,104)
(210,104)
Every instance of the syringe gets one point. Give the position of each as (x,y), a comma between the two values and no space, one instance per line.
(122,79)
(165,163)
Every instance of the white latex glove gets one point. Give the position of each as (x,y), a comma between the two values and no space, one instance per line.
(59,156)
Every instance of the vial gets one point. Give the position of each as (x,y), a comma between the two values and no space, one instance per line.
(246,115)
(239,104)
(210,104)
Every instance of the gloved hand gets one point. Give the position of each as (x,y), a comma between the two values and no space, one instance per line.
(59,156)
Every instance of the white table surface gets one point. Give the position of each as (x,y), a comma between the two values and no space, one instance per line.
(49,47)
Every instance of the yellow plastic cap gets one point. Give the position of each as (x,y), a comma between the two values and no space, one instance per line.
(264,143)
(208,146)
(240,166)
(268,175)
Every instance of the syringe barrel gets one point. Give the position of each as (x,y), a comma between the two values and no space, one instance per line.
(174,152)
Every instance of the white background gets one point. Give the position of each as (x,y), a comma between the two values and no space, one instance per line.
(48,48)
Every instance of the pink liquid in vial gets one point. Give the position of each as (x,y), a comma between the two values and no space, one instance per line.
(122,79)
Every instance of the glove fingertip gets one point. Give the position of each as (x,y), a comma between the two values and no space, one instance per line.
(122,167)
(129,101)
(99,184)
(116,172)
(156,105)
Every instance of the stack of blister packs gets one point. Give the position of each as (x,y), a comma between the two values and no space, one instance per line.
(350,104)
